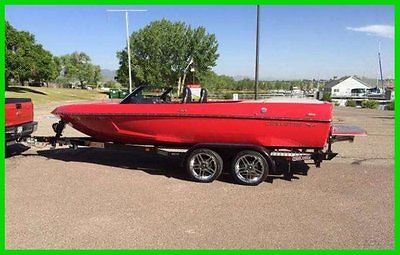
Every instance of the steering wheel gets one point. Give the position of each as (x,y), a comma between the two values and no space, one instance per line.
(164,97)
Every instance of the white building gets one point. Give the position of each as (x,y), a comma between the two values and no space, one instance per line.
(348,86)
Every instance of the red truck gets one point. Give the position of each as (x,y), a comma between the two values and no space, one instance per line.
(19,119)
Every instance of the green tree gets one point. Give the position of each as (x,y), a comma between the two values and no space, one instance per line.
(58,64)
(215,82)
(19,45)
(96,75)
(44,68)
(161,50)
(77,66)
(25,59)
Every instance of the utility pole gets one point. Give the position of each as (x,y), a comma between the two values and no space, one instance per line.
(127,40)
(257,53)
(380,65)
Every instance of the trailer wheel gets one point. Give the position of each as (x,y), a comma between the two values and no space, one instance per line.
(249,168)
(204,165)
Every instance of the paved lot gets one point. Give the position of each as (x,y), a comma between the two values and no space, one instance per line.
(91,198)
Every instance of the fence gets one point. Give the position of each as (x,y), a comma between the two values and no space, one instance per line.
(250,96)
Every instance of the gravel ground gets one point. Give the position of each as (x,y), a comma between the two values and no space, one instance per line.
(97,199)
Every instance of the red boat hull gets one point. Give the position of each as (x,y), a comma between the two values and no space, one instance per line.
(268,124)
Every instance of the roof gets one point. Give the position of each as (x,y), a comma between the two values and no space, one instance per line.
(369,82)
(333,83)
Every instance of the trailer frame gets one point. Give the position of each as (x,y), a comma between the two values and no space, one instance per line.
(272,155)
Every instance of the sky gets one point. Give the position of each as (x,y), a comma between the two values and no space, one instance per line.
(296,42)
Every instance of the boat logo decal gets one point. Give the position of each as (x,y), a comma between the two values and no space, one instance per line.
(263,110)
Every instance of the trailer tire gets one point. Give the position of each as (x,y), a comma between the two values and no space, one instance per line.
(204,165)
(249,168)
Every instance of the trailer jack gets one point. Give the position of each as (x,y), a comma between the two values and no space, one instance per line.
(58,129)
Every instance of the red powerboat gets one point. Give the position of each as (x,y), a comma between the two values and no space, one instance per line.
(250,134)
(139,120)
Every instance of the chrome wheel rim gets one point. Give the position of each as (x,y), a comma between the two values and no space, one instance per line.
(203,166)
(249,168)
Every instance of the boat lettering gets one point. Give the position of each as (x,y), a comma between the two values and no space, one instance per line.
(283,123)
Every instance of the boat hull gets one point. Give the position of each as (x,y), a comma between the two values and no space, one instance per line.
(282,125)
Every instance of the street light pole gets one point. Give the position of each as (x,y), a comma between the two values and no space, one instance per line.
(380,64)
(127,41)
(129,52)
(257,53)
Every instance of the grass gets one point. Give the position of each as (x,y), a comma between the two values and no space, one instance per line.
(43,95)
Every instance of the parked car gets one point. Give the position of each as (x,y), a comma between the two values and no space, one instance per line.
(19,119)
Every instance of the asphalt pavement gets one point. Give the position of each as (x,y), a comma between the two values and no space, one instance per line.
(103,199)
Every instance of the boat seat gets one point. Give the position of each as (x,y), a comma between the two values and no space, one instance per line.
(203,95)
(186,96)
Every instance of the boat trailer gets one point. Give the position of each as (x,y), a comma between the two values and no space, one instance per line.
(204,162)
(312,156)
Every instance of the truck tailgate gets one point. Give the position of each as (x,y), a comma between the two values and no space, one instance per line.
(18,111)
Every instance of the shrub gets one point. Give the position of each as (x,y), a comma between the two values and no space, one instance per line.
(227,95)
(390,106)
(112,85)
(370,104)
(326,97)
(351,103)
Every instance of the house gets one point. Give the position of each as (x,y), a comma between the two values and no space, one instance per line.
(347,86)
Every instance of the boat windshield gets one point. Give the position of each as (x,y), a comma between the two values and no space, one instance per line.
(141,96)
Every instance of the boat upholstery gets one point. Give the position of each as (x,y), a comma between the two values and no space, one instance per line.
(186,96)
(203,95)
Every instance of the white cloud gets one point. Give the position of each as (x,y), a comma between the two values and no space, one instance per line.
(375,30)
